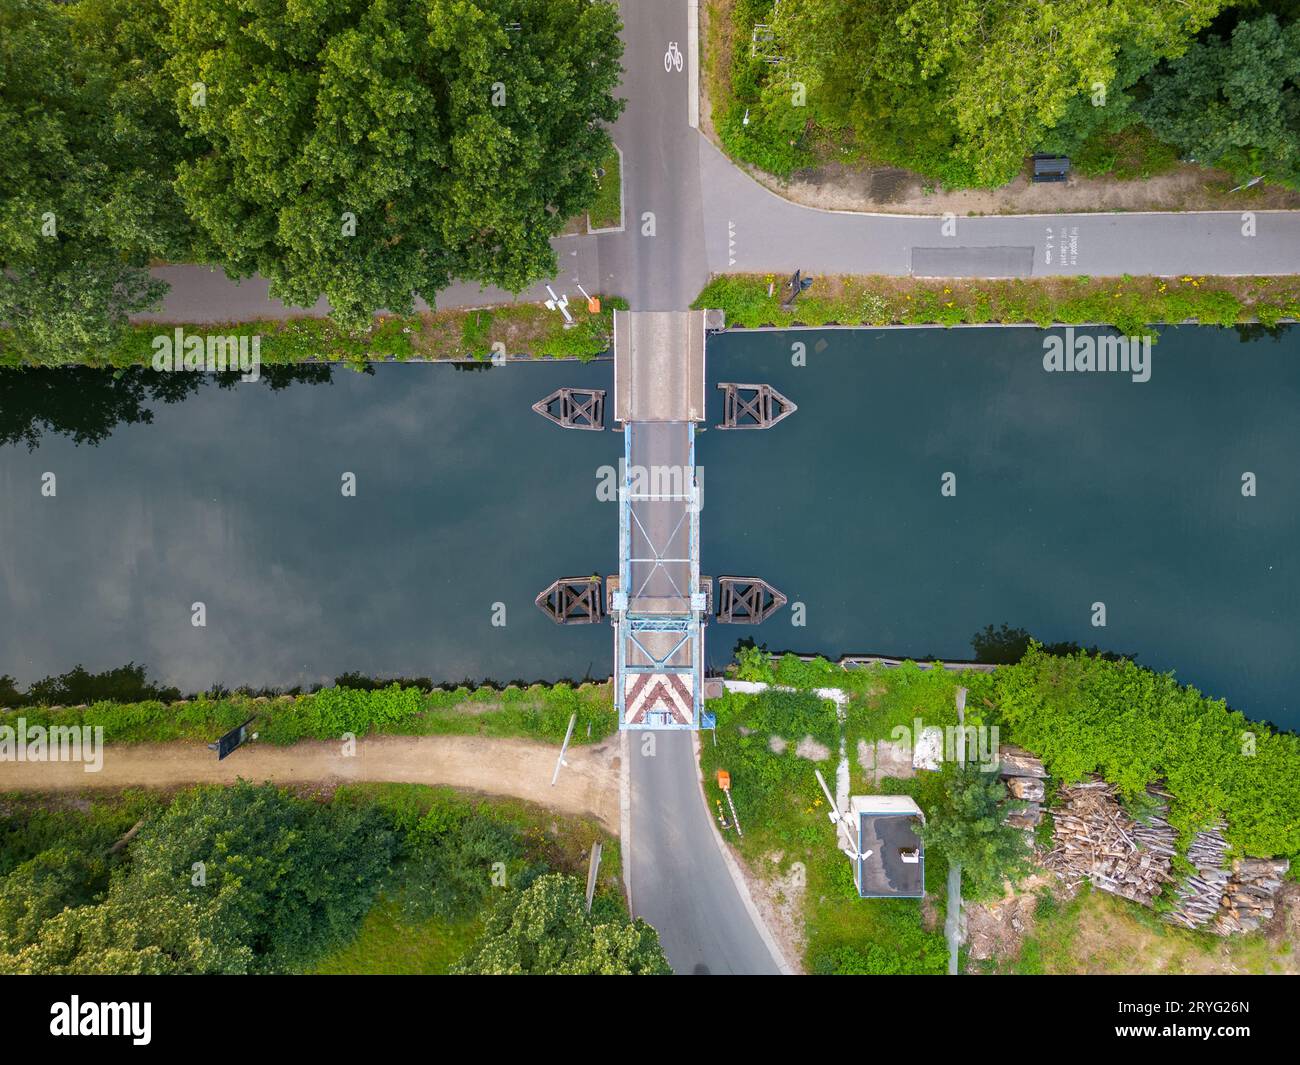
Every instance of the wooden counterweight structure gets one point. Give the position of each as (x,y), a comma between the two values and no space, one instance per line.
(574,408)
(753,406)
(572,601)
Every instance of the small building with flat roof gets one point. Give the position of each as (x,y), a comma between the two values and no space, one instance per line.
(890,863)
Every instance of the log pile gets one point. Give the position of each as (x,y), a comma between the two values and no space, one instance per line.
(1200,895)
(1095,839)
(1250,898)
(1023,774)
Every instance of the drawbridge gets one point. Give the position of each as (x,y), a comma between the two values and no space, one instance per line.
(658,605)
(657,602)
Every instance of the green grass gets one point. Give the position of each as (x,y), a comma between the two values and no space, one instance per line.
(521,328)
(1130,304)
(386,943)
(607,211)
(537,712)
(1098,933)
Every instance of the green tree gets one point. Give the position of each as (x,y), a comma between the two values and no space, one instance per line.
(448,856)
(545,929)
(968,826)
(965,89)
(42,888)
(88,156)
(1235,103)
(372,150)
(224,880)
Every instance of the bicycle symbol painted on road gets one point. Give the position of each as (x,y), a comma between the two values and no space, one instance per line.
(673,57)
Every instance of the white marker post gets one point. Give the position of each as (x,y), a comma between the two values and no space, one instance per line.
(564,747)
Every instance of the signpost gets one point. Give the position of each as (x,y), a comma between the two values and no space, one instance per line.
(236,737)
(724,782)
(797,284)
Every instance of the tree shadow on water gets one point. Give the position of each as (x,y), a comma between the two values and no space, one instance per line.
(87,404)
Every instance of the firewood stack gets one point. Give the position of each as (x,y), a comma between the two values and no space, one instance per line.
(1095,839)
(1250,898)
(1201,893)
(1023,775)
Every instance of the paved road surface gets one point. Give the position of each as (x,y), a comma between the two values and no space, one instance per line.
(680,883)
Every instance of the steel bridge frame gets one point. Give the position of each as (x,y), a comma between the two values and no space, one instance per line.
(628,625)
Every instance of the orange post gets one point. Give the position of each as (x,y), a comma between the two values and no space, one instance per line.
(724,780)
(593,304)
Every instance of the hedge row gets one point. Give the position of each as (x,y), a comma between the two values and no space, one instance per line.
(1130,304)
(537,712)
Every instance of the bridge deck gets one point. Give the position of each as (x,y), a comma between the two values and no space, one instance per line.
(659,366)
(659,606)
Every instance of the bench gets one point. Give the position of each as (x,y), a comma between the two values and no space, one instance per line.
(1051,167)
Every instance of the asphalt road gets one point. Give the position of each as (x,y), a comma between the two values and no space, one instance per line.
(680,883)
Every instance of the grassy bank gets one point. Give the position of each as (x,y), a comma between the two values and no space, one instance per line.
(1130,304)
(1097,933)
(522,329)
(538,712)
(787,838)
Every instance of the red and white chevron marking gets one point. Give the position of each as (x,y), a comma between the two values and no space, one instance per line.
(646,692)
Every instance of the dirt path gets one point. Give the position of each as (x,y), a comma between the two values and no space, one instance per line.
(522,769)
(893,191)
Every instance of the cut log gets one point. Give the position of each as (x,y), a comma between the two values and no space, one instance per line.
(1020,763)
(1029,788)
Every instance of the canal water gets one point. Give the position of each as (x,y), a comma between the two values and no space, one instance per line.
(1071,489)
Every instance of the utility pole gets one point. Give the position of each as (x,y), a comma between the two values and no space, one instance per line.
(952,924)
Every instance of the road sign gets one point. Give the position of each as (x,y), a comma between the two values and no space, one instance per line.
(236,737)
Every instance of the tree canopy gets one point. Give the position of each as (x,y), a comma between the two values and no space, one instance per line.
(87,157)
(374,150)
(545,929)
(371,151)
(965,89)
(1235,102)
(223,880)
(969,826)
